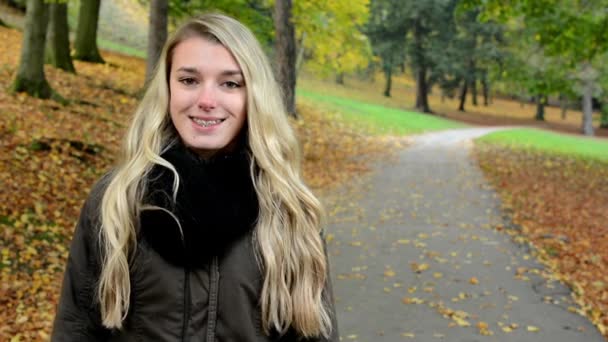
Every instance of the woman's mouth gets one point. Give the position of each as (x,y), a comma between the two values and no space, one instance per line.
(207,123)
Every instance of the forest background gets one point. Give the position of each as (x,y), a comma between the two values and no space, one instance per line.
(357,74)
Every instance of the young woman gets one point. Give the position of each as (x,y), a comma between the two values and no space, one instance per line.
(204,231)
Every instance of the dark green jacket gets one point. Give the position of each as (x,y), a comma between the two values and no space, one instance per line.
(216,301)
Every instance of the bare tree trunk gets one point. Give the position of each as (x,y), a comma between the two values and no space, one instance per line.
(300,54)
(540,107)
(486,91)
(463,95)
(388,74)
(58,40)
(157,34)
(587,109)
(286,53)
(30,74)
(85,45)
(474,91)
(422,100)
(340,78)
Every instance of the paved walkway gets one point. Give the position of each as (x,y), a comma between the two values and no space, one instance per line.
(416,255)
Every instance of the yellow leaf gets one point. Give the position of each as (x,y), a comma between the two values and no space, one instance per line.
(532,328)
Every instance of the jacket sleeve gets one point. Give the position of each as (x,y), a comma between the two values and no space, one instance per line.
(328,296)
(78,317)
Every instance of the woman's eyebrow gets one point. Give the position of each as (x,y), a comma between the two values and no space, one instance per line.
(188,69)
(194,70)
(232,73)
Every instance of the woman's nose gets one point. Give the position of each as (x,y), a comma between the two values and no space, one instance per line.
(207,99)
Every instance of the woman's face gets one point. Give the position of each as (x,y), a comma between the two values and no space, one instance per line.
(208,98)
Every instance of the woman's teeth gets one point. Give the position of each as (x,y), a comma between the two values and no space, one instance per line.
(206,123)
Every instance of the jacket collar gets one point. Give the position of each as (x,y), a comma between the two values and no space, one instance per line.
(216,204)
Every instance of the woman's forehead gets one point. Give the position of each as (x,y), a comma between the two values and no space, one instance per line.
(200,54)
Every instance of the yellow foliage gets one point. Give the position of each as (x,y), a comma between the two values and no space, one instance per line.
(329,33)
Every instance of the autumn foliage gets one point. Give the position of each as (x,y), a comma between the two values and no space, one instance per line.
(51,154)
(560,205)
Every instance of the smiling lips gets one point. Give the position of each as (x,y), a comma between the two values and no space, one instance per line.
(207,123)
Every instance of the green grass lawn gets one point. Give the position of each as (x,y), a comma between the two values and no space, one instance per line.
(377,119)
(549,142)
(121,48)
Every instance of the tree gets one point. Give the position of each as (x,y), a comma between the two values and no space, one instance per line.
(330,35)
(286,52)
(157,33)
(85,45)
(386,30)
(431,29)
(30,74)
(573,30)
(58,42)
(470,52)
(256,14)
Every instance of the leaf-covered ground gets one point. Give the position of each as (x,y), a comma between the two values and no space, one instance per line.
(51,154)
(561,207)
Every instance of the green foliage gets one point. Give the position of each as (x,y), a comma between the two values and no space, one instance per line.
(379,119)
(573,33)
(330,32)
(386,30)
(256,14)
(554,143)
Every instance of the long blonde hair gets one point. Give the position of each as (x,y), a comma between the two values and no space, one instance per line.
(288,244)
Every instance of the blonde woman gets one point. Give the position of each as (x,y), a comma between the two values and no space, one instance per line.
(204,231)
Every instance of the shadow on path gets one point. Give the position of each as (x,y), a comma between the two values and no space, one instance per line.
(419,252)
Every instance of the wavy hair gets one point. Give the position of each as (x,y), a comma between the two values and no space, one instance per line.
(287,237)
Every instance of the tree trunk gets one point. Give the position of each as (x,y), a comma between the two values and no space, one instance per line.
(587,109)
(388,73)
(474,91)
(540,107)
(300,54)
(286,53)
(340,78)
(157,34)
(486,91)
(422,100)
(463,95)
(30,74)
(85,45)
(58,39)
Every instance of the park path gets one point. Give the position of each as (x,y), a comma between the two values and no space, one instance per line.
(420,251)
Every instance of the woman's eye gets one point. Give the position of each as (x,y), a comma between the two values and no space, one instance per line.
(187,81)
(231,84)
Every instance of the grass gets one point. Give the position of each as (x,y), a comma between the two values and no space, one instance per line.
(549,142)
(120,48)
(378,119)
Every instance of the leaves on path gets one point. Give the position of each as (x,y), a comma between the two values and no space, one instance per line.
(561,207)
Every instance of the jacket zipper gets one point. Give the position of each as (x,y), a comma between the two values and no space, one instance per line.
(186,304)
(213,294)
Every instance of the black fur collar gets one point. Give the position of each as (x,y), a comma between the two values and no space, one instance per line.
(216,204)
